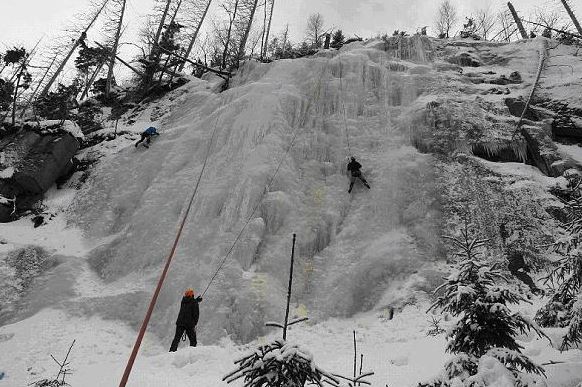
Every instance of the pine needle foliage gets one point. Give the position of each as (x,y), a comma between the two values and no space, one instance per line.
(565,280)
(486,327)
(279,364)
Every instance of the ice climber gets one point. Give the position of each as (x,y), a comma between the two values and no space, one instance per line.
(354,168)
(187,319)
(147,136)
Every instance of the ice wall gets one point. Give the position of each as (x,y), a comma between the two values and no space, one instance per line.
(353,250)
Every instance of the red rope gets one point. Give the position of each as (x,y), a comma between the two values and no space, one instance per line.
(154,299)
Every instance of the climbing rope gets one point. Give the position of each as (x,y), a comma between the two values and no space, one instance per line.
(267,187)
(347,129)
(543,56)
(154,299)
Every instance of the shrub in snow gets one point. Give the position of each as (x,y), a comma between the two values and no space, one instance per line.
(17,271)
(279,364)
(485,326)
(565,306)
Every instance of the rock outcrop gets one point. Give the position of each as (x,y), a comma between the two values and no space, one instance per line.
(30,163)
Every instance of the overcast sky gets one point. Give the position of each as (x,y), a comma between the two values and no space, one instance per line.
(25,21)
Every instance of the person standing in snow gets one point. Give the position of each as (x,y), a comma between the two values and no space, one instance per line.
(187,319)
(355,169)
(147,136)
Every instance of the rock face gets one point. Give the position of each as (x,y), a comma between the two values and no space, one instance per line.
(543,151)
(516,107)
(31,163)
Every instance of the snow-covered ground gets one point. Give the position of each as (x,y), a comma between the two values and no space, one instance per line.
(359,256)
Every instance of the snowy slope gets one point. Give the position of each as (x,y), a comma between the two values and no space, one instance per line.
(358,256)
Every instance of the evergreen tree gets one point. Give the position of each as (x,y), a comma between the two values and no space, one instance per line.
(485,326)
(56,105)
(17,58)
(337,39)
(6,92)
(565,306)
(279,364)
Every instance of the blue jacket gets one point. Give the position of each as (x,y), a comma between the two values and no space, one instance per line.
(151,131)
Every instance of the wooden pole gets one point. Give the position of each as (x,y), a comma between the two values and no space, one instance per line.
(517,20)
(572,16)
(114,52)
(289,290)
(355,355)
(193,40)
(71,51)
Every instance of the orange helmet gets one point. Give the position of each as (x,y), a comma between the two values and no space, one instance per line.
(189,292)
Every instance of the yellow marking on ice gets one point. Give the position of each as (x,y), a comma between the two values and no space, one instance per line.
(308,267)
(319,195)
(301,311)
(258,283)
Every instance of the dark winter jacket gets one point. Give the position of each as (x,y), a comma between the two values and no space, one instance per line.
(354,168)
(151,131)
(189,312)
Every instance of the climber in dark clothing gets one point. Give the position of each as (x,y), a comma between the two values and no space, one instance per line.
(147,136)
(187,319)
(354,168)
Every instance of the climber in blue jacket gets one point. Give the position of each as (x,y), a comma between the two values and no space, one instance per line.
(147,136)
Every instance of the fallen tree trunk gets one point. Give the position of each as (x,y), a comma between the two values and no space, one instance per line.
(217,72)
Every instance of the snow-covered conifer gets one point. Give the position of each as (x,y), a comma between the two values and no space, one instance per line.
(565,306)
(485,327)
(279,364)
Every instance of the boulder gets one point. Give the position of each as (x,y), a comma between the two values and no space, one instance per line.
(543,151)
(464,59)
(565,127)
(516,107)
(5,213)
(35,161)
(45,162)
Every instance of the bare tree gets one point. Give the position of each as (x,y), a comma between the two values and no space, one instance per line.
(485,21)
(446,18)
(231,8)
(196,11)
(314,30)
(247,15)
(549,17)
(507,27)
(119,22)
(566,5)
(266,38)
(76,42)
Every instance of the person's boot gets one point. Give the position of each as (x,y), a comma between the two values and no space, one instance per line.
(366,184)
(351,186)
